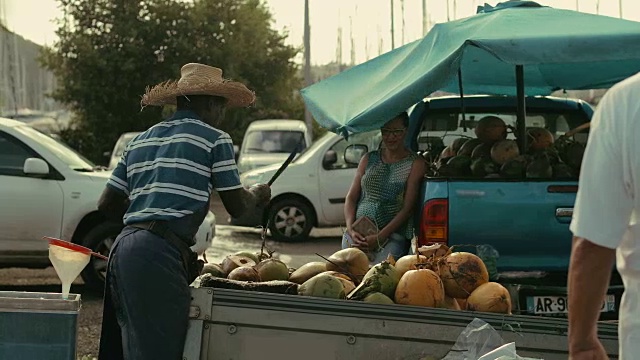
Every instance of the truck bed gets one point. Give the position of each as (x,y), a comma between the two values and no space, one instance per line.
(235,324)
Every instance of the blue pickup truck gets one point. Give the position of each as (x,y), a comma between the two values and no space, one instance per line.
(525,220)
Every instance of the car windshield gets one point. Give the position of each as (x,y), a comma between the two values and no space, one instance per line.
(122,143)
(66,154)
(272,141)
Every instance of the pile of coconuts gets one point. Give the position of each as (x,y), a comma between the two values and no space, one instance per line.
(492,155)
(434,277)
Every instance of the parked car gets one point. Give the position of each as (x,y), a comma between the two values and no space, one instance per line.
(115,154)
(311,191)
(269,142)
(48,189)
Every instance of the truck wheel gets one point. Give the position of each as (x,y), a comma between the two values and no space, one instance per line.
(290,220)
(100,239)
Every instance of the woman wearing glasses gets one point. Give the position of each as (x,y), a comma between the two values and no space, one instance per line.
(384,191)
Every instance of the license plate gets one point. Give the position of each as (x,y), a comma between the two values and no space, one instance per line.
(560,304)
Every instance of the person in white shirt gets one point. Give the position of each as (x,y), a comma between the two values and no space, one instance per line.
(605,226)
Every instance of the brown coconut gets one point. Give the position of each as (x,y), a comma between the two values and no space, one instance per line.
(504,150)
(435,250)
(214,269)
(244,273)
(307,271)
(490,297)
(491,129)
(351,261)
(234,261)
(421,287)
(461,273)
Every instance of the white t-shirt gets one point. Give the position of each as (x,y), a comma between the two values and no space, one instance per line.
(606,207)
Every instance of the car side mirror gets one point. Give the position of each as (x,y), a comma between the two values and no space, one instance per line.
(330,158)
(35,167)
(354,153)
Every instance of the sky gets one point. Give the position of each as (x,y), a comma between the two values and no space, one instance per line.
(367,21)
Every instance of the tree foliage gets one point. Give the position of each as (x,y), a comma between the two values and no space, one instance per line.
(109,51)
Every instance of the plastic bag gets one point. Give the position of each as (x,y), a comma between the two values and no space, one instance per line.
(480,341)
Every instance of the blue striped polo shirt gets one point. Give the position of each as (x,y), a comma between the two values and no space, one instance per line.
(169,171)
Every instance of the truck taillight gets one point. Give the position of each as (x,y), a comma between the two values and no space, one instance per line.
(434,225)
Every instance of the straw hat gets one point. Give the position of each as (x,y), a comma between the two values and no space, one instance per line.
(199,79)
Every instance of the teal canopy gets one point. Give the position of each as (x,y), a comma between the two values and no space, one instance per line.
(558,49)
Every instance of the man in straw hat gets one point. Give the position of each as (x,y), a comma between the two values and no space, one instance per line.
(161,188)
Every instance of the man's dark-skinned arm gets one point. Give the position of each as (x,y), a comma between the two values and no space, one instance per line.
(240,201)
(589,275)
(601,217)
(113,204)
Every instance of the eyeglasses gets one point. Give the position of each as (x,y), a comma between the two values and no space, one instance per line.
(394,132)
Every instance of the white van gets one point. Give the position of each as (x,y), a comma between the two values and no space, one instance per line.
(271,141)
(311,192)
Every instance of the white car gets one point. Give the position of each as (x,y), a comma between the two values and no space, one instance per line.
(118,149)
(48,189)
(311,192)
(271,141)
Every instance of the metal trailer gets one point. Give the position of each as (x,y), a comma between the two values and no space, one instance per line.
(236,324)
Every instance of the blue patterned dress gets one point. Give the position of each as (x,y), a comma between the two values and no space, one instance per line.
(383,186)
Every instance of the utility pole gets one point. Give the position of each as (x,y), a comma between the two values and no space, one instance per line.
(577,5)
(402,12)
(425,23)
(455,9)
(307,59)
(393,41)
(620,7)
(448,15)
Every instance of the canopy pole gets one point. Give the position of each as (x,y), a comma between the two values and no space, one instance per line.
(464,120)
(521,125)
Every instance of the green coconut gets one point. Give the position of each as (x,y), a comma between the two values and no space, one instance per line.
(483,166)
(307,271)
(272,269)
(539,169)
(382,277)
(378,298)
(323,285)
(460,165)
(248,254)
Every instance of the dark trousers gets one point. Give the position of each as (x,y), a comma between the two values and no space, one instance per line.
(147,298)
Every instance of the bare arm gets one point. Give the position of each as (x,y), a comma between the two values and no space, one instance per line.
(589,275)
(351,201)
(413,186)
(113,204)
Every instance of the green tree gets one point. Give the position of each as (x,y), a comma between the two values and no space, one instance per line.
(109,51)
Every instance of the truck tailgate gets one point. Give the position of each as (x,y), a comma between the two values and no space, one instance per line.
(526,221)
(234,324)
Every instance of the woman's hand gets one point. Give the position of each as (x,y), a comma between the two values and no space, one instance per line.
(359,241)
(374,239)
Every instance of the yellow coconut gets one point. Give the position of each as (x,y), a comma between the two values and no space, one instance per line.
(408,262)
(272,269)
(244,273)
(490,297)
(352,261)
(449,303)
(421,287)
